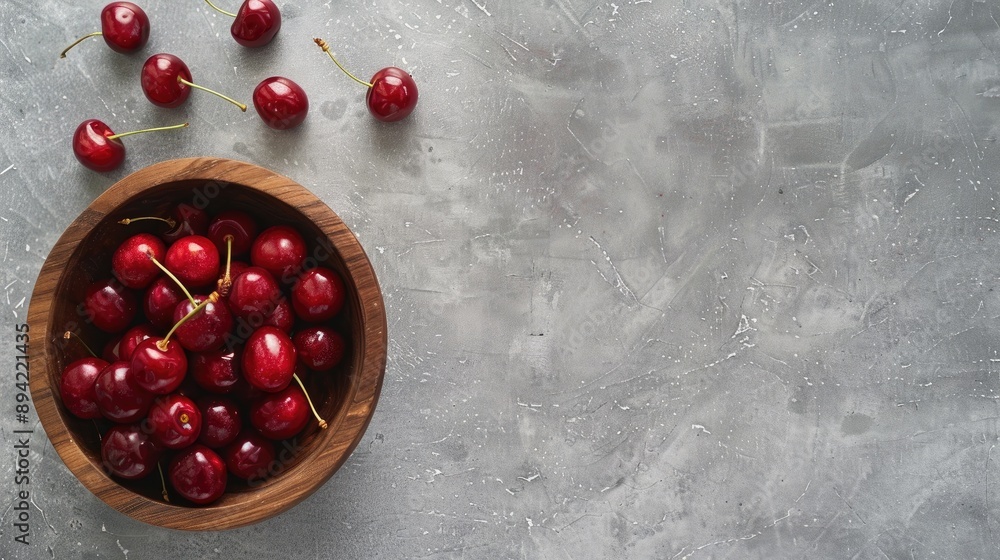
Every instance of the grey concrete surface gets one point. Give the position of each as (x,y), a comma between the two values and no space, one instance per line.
(674,280)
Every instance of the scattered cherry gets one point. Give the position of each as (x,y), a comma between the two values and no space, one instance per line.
(128,452)
(280,102)
(124,26)
(256,23)
(198,474)
(98,148)
(166,81)
(392,93)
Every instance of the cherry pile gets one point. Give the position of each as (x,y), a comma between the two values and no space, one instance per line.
(166,80)
(215,327)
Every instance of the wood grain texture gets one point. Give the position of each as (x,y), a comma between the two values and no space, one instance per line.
(82,255)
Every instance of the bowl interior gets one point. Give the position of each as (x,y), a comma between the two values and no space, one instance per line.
(311,455)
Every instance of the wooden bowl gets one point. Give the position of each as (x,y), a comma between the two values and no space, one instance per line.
(346,398)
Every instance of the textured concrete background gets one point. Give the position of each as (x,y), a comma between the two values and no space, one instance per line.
(691,279)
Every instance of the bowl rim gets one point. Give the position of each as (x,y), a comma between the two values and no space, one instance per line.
(334,445)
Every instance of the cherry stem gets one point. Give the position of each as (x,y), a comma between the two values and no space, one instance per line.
(326,48)
(172,277)
(220,10)
(203,88)
(322,423)
(157,129)
(184,418)
(70,334)
(226,282)
(167,221)
(163,483)
(212,298)
(78,41)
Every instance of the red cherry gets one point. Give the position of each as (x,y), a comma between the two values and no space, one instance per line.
(205,330)
(250,455)
(319,295)
(256,23)
(188,220)
(195,261)
(159,370)
(254,295)
(238,224)
(280,250)
(132,337)
(166,81)
(159,302)
(280,415)
(94,148)
(198,474)
(130,262)
(76,387)
(217,371)
(319,348)
(97,147)
(392,95)
(175,422)
(282,317)
(280,102)
(109,305)
(269,359)
(128,452)
(220,421)
(119,397)
(124,26)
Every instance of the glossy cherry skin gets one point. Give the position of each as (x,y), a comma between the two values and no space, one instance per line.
(238,224)
(124,27)
(217,371)
(160,80)
(256,23)
(198,474)
(250,455)
(94,149)
(119,397)
(280,102)
(319,295)
(109,305)
(282,317)
(159,302)
(131,264)
(205,330)
(128,452)
(280,415)
(280,250)
(131,339)
(220,421)
(254,295)
(194,260)
(76,387)
(174,421)
(188,220)
(269,359)
(393,94)
(158,371)
(319,348)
